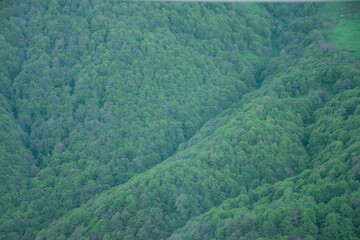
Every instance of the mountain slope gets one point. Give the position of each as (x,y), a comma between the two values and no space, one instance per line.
(238,156)
(275,133)
(102,91)
(181,121)
(322,202)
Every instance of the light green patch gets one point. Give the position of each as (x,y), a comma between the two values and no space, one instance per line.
(346,34)
(253,8)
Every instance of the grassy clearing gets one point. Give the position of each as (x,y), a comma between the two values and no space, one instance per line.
(346,34)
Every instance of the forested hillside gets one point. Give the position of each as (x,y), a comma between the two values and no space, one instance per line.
(154,120)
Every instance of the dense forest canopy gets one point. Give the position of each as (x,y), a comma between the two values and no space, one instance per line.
(158,120)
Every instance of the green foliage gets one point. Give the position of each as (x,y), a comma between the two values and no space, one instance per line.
(125,120)
(294,208)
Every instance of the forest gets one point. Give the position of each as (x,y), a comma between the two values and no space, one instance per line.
(171,120)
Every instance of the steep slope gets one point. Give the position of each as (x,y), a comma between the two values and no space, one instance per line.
(272,134)
(158,120)
(101,91)
(320,203)
(244,149)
